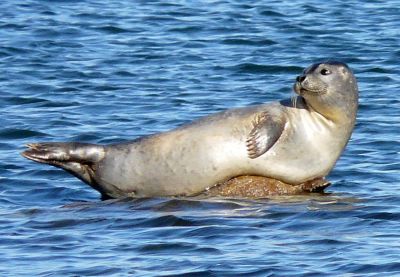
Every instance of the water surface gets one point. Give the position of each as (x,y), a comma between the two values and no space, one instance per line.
(111,71)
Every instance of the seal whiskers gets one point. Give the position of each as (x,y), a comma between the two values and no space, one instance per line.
(294,101)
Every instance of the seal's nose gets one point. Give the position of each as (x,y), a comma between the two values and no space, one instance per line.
(300,78)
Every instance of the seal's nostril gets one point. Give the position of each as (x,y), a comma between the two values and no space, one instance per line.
(300,78)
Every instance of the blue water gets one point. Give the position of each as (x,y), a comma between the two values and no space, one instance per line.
(111,71)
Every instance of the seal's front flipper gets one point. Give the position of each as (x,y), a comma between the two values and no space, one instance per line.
(79,159)
(266,131)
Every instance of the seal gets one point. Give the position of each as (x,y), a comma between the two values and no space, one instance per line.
(292,141)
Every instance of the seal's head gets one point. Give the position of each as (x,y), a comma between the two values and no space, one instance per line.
(329,88)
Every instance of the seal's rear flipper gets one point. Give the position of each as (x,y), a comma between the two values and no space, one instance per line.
(59,152)
(79,159)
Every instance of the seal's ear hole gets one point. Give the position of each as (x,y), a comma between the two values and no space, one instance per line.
(344,72)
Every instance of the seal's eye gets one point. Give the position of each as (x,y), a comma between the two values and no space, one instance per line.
(325,71)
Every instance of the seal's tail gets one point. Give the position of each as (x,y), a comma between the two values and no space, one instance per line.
(79,159)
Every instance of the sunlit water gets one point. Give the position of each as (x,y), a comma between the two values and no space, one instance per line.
(110,71)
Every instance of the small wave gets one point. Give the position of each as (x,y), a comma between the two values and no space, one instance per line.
(11,133)
(58,104)
(17,100)
(187,29)
(11,50)
(379,70)
(271,13)
(250,42)
(112,29)
(270,69)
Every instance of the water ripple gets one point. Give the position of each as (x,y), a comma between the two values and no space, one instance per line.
(111,71)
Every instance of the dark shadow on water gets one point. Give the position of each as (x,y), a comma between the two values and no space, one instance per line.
(226,206)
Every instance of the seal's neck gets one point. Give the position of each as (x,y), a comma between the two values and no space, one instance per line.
(339,111)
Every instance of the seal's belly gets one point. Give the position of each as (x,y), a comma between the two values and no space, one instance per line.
(306,150)
(294,163)
(178,163)
(188,160)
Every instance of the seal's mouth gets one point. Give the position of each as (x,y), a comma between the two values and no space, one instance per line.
(301,90)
